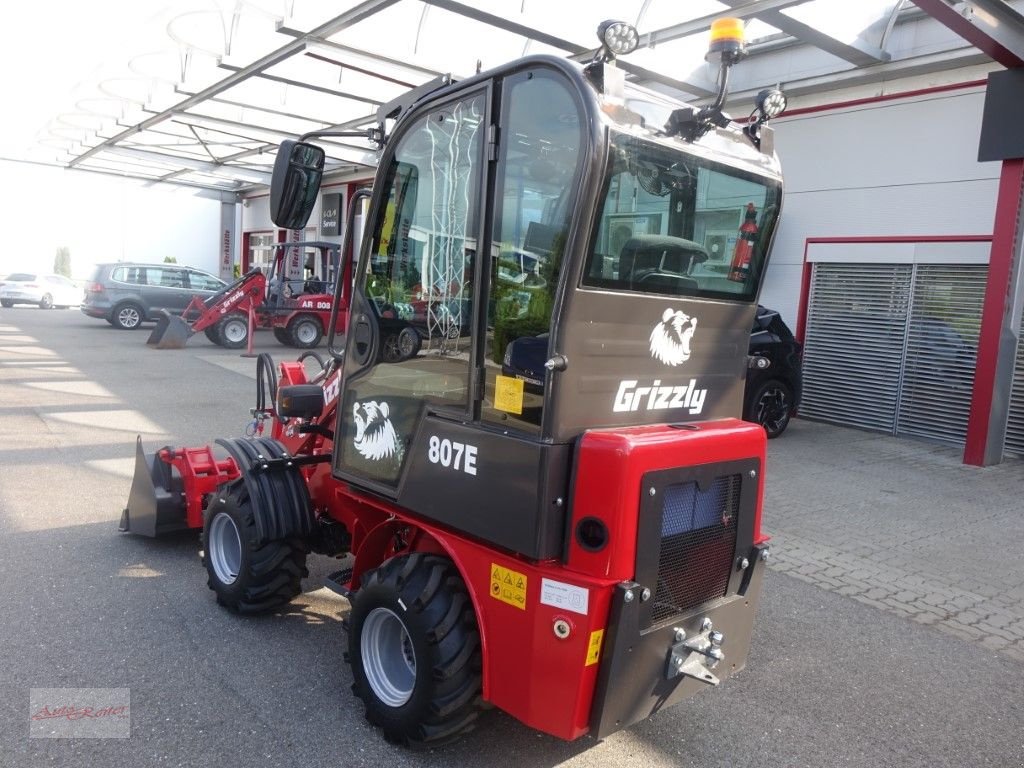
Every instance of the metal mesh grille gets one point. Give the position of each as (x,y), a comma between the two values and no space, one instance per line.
(698,539)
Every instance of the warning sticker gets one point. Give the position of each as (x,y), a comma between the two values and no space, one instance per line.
(508,586)
(594,648)
(508,394)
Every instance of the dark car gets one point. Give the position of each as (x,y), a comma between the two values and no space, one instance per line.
(772,393)
(127,295)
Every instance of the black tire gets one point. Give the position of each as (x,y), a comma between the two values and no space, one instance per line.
(408,343)
(248,576)
(771,406)
(46,302)
(6,303)
(282,335)
(233,331)
(305,331)
(415,608)
(127,316)
(211,334)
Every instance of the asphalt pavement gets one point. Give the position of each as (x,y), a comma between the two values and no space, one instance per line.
(833,678)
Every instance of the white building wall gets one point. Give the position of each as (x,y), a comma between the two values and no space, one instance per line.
(887,168)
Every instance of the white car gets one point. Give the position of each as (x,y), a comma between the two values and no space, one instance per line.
(45,291)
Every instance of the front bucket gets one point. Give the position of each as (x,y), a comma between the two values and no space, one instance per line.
(171,332)
(156,503)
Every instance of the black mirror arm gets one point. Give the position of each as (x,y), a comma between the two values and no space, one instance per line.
(375,134)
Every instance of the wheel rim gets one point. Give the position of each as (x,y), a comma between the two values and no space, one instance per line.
(306,333)
(47,301)
(391,351)
(128,317)
(406,344)
(389,660)
(773,409)
(235,331)
(224,547)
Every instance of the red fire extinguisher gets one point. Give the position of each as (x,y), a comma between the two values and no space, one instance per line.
(739,271)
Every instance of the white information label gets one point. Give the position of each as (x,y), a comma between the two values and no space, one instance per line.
(565,596)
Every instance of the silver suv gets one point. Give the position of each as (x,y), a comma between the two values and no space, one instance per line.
(126,294)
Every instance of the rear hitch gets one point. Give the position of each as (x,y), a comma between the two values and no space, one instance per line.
(695,656)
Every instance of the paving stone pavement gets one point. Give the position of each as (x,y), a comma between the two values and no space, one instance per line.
(901,525)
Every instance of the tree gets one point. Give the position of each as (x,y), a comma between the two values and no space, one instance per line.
(170,260)
(62,262)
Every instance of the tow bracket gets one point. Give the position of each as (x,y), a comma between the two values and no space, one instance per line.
(695,656)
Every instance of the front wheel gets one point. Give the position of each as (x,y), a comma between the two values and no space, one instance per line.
(282,335)
(305,331)
(415,650)
(233,331)
(248,576)
(46,302)
(771,407)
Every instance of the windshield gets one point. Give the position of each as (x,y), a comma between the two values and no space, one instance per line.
(680,225)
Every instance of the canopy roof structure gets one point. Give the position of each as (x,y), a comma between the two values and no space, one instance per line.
(200,93)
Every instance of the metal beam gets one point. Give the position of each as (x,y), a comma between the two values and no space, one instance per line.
(991,26)
(858,52)
(354,15)
(306,86)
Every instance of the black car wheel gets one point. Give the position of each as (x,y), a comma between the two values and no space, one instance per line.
(127,316)
(6,303)
(415,650)
(46,302)
(771,407)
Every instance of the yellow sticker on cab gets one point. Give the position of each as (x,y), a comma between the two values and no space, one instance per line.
(508,586)
(508,394)
(594,648)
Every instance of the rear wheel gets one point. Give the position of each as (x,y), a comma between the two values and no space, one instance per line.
(408,343)
(233,331)
(771,407)
(46,302)
(6,303)
(415,650)
(211,334)
(305,331)
(127,316)
(247,575)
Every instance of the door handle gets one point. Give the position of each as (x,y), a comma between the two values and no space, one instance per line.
(362,337)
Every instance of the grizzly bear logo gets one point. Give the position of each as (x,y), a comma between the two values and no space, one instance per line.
(670,339)
(375,438)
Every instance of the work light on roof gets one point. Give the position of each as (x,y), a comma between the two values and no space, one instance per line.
(771,103)
(618,37)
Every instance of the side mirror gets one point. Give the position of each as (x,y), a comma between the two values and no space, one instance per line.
(296,181)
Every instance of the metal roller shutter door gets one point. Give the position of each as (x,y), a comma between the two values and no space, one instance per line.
(853,344)
(1014,443)
(941,351)
(892,347)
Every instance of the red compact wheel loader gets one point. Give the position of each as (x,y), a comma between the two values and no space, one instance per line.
(296,306)
(579,545)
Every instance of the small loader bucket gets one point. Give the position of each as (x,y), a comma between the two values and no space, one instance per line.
(171,332)
(156,503)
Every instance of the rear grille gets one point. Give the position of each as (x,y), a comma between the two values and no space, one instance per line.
(698,541)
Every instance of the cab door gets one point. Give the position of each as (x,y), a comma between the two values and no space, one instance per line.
(411,345)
